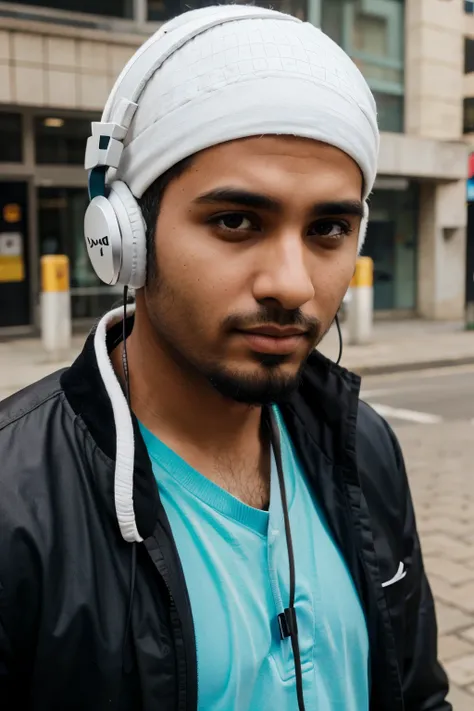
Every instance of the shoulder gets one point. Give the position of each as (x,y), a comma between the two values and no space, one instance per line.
(27,420)
(375,437)
(380,461)
(40,446)
(23,403)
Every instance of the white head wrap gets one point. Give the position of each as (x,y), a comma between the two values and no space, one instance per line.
(263,73)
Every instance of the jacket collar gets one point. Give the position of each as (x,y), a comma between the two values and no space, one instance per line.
(320,416)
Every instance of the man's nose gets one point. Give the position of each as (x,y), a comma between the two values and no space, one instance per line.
(284,275)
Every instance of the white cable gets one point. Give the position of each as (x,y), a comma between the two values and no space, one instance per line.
(125,441)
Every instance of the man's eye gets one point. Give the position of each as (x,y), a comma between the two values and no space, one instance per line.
(234,221)
(332,229)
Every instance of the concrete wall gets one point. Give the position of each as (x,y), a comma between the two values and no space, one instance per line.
(441,250)
(468,88)
(60,67)
(434,68)
(418,157)
(435,88)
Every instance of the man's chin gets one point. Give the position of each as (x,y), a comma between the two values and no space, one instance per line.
(265,386)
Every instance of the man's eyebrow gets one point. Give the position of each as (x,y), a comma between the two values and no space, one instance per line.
(246,198)
(339,207)
(238,196)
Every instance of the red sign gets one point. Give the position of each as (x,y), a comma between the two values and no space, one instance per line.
(471,166)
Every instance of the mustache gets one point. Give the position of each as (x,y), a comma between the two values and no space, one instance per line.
(277,316)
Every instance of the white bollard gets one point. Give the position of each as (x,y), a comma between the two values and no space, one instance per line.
(55,305)
(360,308)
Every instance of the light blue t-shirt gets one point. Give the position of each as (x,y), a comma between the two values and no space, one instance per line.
(235,563)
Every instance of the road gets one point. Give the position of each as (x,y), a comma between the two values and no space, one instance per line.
(426,397)
(432,413)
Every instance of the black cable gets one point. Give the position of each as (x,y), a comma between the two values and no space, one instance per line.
(339,333)
(126,374)
(290,612)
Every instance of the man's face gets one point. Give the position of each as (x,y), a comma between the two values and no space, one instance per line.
(256,244)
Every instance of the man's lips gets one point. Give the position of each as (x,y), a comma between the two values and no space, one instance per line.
(275,331)
(277,340)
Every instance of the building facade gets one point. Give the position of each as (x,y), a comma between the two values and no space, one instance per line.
(59,59)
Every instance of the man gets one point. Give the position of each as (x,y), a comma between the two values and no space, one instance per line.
(199,513)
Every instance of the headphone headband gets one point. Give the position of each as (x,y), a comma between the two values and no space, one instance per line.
(133,79)
(114,225)
(105,146)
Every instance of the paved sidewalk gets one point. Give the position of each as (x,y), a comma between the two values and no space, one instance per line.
(405,345)
(439,461)
(23,361)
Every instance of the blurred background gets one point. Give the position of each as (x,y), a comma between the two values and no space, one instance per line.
(59,60)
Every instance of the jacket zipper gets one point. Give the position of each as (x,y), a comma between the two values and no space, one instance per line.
(177,628)
(362,562)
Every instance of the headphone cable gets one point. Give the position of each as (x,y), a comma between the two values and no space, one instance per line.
(289,616)
(290,612)
(339,333)
(126,373)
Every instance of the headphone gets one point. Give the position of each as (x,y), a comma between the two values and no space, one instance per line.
(114,227)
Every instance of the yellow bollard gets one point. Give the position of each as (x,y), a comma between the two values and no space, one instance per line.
(55,304)
(363,273)
(360,312)
(54,273)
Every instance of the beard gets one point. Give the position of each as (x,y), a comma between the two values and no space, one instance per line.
(269,383)
(262,388)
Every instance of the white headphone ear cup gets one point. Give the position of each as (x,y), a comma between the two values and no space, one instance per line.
(133,231)
(103,239)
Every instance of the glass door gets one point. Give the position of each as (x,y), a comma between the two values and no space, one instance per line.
(380,245)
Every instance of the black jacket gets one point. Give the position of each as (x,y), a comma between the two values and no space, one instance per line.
(74,636)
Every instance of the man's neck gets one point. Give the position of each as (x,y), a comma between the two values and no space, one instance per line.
(220,438)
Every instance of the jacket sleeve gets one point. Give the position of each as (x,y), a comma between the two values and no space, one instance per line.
(18,603)
(424,681)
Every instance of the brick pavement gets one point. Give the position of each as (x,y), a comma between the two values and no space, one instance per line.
(440,462)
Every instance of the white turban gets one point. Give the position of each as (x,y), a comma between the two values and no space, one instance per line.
(262,73)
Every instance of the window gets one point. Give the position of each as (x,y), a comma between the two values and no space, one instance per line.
(468,55)
(469,7)
(469,115)
(113,8)
(61,139)
(11,138)
(159,10)
(390,111)
(372,32)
